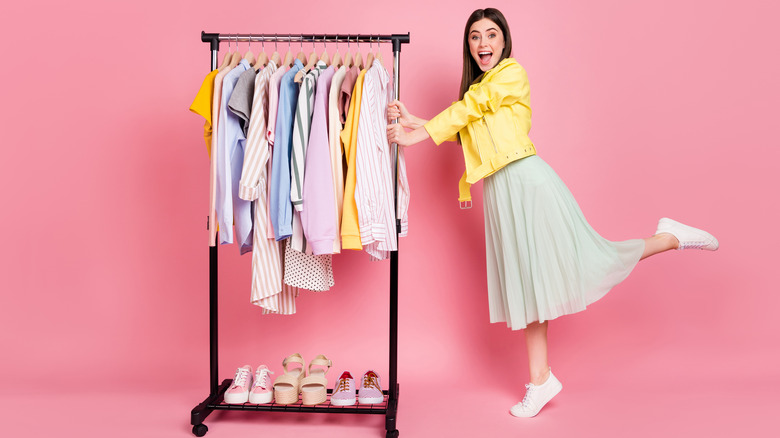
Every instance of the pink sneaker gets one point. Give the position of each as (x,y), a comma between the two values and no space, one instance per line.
(239,391)
(344,392)
(262,390)
(370,391)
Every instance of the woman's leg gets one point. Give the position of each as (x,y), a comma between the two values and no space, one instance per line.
(536,343)
(659,243)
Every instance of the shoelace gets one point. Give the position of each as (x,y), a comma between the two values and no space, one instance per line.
(369,380)
(692,245)
(242,374)
(343,385)
(261,378)
(529,389)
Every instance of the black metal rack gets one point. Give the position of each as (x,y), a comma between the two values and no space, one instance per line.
(215,401)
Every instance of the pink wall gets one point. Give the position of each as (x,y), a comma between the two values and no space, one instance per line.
(663,108)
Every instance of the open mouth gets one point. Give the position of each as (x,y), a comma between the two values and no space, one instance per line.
(484,57)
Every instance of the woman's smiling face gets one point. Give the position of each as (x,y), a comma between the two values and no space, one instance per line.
(486,42)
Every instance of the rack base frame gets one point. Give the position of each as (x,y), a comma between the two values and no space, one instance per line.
(215,402)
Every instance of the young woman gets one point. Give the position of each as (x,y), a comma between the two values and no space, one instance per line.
(543,259)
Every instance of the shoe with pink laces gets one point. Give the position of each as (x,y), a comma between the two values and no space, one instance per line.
(344,392)
(370,391)
(262,390)
(239,391)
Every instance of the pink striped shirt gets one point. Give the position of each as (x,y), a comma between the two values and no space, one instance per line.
(374,169)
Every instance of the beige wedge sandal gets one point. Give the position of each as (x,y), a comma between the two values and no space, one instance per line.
(314,387)
(288,385)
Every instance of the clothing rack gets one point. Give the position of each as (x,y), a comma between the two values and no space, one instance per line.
(215,399)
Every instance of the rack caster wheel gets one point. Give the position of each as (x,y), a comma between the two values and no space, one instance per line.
(199,429)
(392,434)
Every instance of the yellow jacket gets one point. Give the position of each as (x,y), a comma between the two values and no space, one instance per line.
(493,120)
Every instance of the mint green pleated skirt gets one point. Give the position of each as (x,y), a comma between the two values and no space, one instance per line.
(543,258)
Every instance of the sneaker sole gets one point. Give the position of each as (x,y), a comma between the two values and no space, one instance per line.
(337,402)
(236,399)
(263,398)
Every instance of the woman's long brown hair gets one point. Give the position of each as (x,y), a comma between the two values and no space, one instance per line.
(471,69)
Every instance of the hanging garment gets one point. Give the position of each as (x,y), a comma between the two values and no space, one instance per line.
(336,150)
(312,272)
(345,96)
(374,191)
(350,228)
(215,110)
(300,140)
(281,207)
(231,208)
(273,105)
(267,282)
(318,213)
(202,106)
(241,99)
(302,268)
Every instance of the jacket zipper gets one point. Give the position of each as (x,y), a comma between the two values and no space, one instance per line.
(490,134)
(476,140)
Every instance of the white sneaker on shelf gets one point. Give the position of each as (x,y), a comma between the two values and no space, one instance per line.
(262,389)
(536,396)
(689,237)
(370,391)
(239,391)
(344,392)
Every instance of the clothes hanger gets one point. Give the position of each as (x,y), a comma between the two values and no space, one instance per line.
(249,56)
(236,56)
(370,56)
(262,58)
(336,61)
(378,49)
(325,57)
(358,56)
(312,61)
(276,58)
(288,58)
(348,56)
(301,56)
(226,59)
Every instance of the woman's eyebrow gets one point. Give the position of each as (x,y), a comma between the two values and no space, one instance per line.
(488,30)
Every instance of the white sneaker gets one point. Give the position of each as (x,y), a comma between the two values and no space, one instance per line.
(239,391)
(536,396)
(689,237)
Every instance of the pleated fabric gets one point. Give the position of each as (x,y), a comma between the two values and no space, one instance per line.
(543,258)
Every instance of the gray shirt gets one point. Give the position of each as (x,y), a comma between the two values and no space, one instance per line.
(241,100)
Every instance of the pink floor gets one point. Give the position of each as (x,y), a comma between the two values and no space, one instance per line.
(641,398)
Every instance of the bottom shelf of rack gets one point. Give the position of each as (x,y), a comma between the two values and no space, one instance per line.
(388,408)
(326,407)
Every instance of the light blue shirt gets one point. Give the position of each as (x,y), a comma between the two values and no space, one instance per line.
(230,161)
(281,205)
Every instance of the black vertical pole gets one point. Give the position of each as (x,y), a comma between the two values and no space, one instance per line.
(213,283)
(394,254)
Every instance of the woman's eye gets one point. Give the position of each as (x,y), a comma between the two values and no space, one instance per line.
(492,35)
(474,38)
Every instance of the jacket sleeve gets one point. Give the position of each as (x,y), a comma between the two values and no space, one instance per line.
(507,87)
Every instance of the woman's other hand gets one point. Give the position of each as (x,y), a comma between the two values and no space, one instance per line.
(397,110)
(397,134)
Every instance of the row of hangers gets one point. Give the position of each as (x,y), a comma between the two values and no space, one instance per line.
(231,59)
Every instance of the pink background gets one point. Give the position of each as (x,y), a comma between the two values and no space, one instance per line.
(645,109)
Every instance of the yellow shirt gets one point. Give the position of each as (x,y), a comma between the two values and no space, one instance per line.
(350,230)
(202,106)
